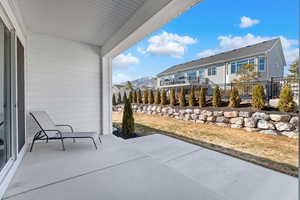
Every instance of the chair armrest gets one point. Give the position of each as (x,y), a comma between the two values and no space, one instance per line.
(66,125)
(53,130)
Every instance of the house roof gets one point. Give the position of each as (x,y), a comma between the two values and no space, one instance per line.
(252,50)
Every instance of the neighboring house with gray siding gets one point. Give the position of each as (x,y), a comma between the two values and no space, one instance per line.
(220,69)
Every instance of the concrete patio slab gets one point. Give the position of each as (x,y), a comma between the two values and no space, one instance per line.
(234,178)
(150,167)
(49,164)
(163,148)
(136,180)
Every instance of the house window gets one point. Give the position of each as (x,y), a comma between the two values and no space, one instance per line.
(192,75)
(201,73)
(233,67)
(212,71)
(261,64)
(236,66)
(179,76)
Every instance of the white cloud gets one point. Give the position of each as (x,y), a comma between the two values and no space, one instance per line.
(208,52)
(124,61)
(226,43)
(120,78)
(168,44)
(247,22)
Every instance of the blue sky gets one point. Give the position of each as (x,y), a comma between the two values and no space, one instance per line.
(210,27)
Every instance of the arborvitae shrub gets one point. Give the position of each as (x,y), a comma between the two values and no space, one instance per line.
(164,100)
(192,98)
(216,101)
(114,102)
(139,97)
(286,102)
(182,101)
(146,96)
(151,97)
(234,99)
(124,97)
(128,120)
(258,97)
(202,97)
(119,98)
(157,97)
(130,98)
(172,97)
(134,97)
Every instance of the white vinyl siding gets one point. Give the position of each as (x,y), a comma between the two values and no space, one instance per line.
(64,80)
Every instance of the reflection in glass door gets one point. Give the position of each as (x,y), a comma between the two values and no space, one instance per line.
(5,96)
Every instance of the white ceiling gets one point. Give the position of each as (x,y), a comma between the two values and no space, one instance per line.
(89,21)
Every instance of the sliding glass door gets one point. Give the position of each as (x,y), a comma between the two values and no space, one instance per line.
(5,96)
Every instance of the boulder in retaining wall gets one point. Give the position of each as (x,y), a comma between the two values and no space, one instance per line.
(218,113)
(245,114)
(294,121)
(263,124)
(211,119)
(207,113)
(231,114)
(279,118)
(260,115)
(237,120)
(236,126)
(250,122)
(283,126)
(202,117)
(222,120)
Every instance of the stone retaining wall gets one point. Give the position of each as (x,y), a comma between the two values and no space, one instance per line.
(275,124)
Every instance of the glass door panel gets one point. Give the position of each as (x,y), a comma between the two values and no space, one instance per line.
(5,96)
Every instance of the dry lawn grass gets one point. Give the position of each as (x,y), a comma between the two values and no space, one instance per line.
(277,152)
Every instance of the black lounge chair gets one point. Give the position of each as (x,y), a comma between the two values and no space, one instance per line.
(50,131)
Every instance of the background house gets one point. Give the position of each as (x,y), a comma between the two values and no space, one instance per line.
(221,69)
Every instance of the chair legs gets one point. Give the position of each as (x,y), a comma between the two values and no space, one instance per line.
(31,147)
(100,139)
(63,144)
(94,143)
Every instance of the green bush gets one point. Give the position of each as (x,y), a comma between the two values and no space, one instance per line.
(216,101)
(128,120)
(130,98)
(202,97)
(164,100)
(258,97)
(124,97)
(146,96)
(119,98)
(172,97)
(151,97)
(182,101)
(114,102)
(192,98)
(134,97)
(234,99)
(139,97)
(286,101)
(157,97)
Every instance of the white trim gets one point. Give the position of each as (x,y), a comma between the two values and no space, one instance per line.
(11,171)
(106,83)
(7,13)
